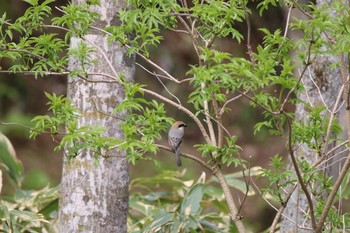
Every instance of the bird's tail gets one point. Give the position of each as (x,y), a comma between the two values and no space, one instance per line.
(178,157)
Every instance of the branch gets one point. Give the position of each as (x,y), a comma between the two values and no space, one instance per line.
(207,119)
(231,204)
(222,110)
(307,63)
(249,32)
(157,76)
(336,147)
(332,195)
(219,122)
(170,77)
(31,129)
(43,73)
(295,3)
(254,101)
(189,156)
(299,175)
(182,108)
(247,184)
(288,20)
(342,174)
(280,211)
(330,123)
(216,170)
(103,54)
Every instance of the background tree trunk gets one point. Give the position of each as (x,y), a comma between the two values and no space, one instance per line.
(95,198)
(321,87)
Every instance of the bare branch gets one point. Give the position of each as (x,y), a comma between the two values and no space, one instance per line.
(288,20)
(103,54)
(43,73)
(332,195)
(208,120)
(157,76)
(231,204)
(186,155)
(149,61)
(229,101)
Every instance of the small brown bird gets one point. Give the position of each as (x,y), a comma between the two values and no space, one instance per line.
(175,137)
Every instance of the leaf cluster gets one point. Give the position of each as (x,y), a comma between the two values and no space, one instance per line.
(313,130)
(186,205)
(64,123)
(26,210)
(143,126)
(226,154)
(279,179)
(29,211)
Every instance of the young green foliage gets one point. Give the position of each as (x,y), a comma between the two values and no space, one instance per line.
(64,122)
(268,79)
(279,178)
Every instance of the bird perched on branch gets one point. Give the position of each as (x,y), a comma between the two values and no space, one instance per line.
(175,137)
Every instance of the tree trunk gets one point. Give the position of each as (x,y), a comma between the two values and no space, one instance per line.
(94,198)
(322,86)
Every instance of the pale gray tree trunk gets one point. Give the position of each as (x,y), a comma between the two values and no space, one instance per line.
(321,88)
(93,198)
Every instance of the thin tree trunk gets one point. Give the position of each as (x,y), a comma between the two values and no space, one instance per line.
(321,88)
(94,198)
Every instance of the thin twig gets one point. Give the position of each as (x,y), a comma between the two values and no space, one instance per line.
(103,54)
(298,173)
(30,128)
(288,20)
(249,32)
(307,63)
(257,103)
(332,195)
(157,76)
(208,120)
(247,183)
(341,176)
(219,121)
(222,110)
(149,61)
(335,161)
(330,123)
(295,3)
(318,90)
(337,147)
(219,124)
(42,73)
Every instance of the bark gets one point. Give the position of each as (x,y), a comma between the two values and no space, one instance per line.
(321,87)
(94,198)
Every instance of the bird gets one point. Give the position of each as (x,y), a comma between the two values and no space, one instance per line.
(175,138)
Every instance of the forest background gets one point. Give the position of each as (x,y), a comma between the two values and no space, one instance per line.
(23,97)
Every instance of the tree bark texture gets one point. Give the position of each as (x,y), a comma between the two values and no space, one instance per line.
(321,88)
(94,198)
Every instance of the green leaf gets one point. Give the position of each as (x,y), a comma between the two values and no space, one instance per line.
(160,219)
(49,210)
(191,203)
(9,161)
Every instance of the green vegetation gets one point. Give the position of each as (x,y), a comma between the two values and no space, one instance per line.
(269,78)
